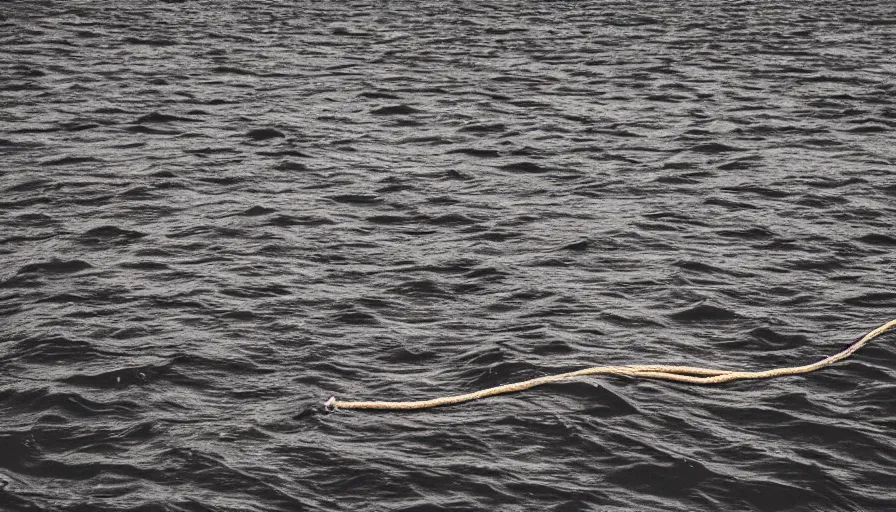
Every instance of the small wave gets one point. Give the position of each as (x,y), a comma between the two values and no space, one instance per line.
(261,134)
(109,234)
(394,110)
(479,153)
(703,312)
(878,239)
(525,167)
(71,160)
(158,117)
(55,266)
(873,300)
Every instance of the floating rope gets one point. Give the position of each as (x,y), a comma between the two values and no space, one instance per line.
(686,374)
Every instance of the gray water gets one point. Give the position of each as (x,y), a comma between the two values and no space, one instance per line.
(216,215)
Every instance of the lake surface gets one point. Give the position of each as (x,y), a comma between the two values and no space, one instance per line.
(216,215)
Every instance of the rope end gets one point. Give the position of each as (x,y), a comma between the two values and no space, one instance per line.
(330,405)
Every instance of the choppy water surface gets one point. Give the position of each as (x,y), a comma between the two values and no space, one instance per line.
(214,215)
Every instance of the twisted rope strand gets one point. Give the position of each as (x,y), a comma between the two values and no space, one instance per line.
(687,374)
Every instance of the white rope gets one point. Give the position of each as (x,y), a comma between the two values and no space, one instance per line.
(686,374)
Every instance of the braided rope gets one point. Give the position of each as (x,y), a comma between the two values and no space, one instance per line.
(688,374)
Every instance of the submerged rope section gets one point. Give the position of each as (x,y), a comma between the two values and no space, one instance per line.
(688,374)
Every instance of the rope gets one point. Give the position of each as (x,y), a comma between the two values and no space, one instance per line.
(688,374)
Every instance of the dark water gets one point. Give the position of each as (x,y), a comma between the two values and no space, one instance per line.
(215,215)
